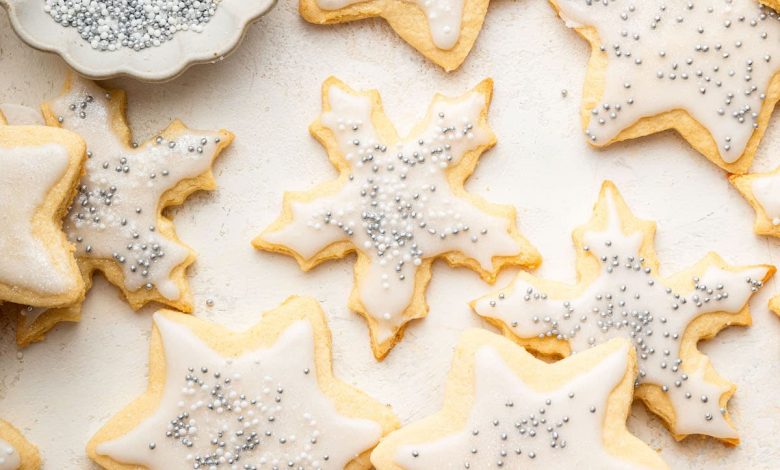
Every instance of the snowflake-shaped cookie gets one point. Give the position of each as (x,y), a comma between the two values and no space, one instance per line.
(503,408)
(399,204)
(263,398)
(39,170)
(444,31)
(619,294)
(116,220)
(706,68)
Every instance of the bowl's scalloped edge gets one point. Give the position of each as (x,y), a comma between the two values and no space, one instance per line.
(169,73)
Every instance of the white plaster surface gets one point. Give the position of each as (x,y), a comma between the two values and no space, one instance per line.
(61,391)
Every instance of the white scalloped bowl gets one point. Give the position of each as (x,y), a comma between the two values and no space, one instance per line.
(219,38)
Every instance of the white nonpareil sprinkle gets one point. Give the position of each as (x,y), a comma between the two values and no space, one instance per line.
(108,25)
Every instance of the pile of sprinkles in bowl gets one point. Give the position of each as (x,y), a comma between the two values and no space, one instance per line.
(108,25)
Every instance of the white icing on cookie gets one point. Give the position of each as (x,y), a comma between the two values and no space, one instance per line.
(628,300)
(27,174)
(398,207)
(512,425)
(20,115)
(266,406)
(31,314)
(444,18)
(766,190)
(713,58)
(115,215)
(9,457)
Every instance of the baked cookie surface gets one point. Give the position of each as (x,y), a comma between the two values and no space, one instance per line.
(444,31)
(39,171)
(619,294)
(503,408)
(399,203)
(267,394)
(16,453)
(774,4)
(705,68)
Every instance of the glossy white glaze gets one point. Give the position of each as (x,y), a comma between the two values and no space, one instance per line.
(267,399)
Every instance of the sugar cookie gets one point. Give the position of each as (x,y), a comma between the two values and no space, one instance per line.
(39,172)
(268,393)
(762,191)
(117,221)
(774,4)
(399,204)
(503,408)
(444,31)
(31,323)
(619,294)
(706,68)
(15,452)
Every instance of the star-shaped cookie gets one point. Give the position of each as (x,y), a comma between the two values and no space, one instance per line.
(620,294)
(117,219)
(16,453)
(503,408)
(706,69)
(39,172)
(444,31)
(262,398)
(399,204)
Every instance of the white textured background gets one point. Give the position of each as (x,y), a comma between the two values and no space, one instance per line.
(61,391)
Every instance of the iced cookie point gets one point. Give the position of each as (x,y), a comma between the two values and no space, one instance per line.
(16,453)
